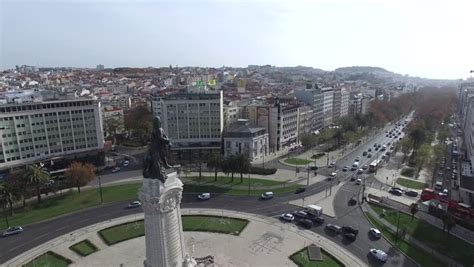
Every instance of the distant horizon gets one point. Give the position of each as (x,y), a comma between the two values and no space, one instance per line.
(427,39)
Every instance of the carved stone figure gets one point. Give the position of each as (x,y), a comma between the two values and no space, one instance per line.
(155,161)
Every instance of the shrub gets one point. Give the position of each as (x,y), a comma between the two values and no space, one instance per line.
(318,155)
(408,172)
(262,171)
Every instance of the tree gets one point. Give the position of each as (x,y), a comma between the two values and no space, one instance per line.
(37,177)
(139,121)
(6,199)
(228,166)
(242,165)
(418,136)
(406,145)
(413,210)
(423,154)
(111,126)
(309,140)
(79,174)
(19,183)
(448,223)
(214,162)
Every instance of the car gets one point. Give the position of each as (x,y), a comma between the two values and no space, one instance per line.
(313,168)
(360,171)
(125,163)
(365,167)
(13,231)
(348,229)
(388,153)
(369,155)
(388,143)
(318,220)
(411,193)
(379,254)
(375,145)
(352,201)
(334,228)
(392,147)
(267,195)
(386,135)
(350,236)
(395,192)
(287,217)
(357,159)
(134,204)
(369,150)
(353,177)
(204,196)
(383,156)
(376,148)
(300,214)
(398,188)
(332,164)
(358,182)
(346,168)
(375,232)
(300,190)
(116,169)
(364,153)
(332,176)
(306,223)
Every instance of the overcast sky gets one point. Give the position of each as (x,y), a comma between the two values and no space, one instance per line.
(433,39)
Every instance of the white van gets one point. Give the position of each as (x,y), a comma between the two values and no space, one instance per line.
(314,210)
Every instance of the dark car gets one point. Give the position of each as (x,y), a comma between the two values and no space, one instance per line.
(370,150)
(411,193)
(350,236)
(313,168)
(348,229)
(300,190)
(364,153)
(306,223)
(395,192)
(318,220)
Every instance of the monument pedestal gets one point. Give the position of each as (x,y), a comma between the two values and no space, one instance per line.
(163,226)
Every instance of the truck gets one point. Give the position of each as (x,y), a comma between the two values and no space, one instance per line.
(314,210)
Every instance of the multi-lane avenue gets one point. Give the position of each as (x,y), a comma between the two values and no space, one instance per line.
(39,233)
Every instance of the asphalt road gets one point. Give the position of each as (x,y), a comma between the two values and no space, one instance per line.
(40,233)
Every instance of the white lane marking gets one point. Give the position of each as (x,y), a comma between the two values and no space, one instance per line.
(40,236)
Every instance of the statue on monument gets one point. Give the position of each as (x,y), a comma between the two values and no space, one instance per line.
(155,162)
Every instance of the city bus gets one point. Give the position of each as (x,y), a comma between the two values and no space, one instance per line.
(374,165)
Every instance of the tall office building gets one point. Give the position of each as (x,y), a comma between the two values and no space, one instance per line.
(314,97)
(193,120)
(40,125)
(328,96)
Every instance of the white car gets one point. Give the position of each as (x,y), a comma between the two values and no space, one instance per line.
(358,182)
(134,204)
(204,196)
(116,169)
(13,231)
(379,254)
(267,195)
(375,232)
(287,217)
(125,163)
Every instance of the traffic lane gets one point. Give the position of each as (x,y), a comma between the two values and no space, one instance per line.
(354,217)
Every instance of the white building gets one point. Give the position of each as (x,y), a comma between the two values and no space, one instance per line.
(242,138)
(232,113)
(340,103)
(48,127)
(328,96)
(193,121)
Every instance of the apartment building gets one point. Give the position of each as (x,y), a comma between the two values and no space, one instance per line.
(40,125)
(193,120)
(313,96)
(340,103)
(328,97)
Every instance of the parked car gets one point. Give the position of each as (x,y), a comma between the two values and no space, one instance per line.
(204,196)
(346,168)
(379,254)
(395,192)
(13,231)
(334,228)
(306,223)
(375,232)
(411,193)
(398,188)
(364,153)
(287,217)
(350,236)
(134,204)
(313,168)
(300,214)
(318,220)
(348,229)
(116,169)
(358,182)
(267,195)
(300,190)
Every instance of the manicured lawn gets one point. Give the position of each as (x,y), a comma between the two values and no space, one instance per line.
(84,248)
(297,161)
(201,223)
(420,256)
(301,258)
(227,180)
(432,236)
(408,172)
(72,201)
(217,224)
(411,183)
(49,259)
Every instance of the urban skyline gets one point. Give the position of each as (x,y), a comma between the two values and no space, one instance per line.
(417,39)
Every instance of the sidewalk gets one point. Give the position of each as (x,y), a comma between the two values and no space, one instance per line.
(411,240)
(264,242)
